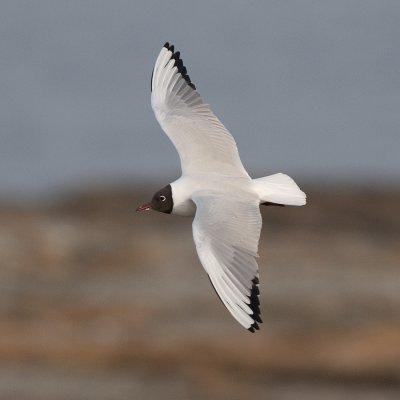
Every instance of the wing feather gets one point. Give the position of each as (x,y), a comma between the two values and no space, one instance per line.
(203,143)
(226,235)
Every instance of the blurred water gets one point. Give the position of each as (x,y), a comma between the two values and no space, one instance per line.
(310,88)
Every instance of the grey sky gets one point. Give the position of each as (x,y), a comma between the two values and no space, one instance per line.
(311,88)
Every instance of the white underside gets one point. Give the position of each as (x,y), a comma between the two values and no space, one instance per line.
(278,188)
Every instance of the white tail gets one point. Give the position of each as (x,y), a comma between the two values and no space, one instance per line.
(279,189)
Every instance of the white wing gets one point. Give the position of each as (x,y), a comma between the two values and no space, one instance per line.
(226,235)
(202,141)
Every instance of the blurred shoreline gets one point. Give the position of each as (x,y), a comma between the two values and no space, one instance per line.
(89,285)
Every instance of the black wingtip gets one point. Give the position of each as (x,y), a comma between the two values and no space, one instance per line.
(168,46)
(179,64)
(253,328)
(255,305)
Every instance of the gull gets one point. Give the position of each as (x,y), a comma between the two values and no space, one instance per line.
(215,188)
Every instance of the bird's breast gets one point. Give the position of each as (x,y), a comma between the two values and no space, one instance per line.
(185,208)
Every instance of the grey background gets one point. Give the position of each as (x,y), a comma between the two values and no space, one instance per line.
(311,88)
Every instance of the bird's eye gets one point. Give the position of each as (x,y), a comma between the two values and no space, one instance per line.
(163,198)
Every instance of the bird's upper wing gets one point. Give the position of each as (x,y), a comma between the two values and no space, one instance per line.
(226,234)
(202,141)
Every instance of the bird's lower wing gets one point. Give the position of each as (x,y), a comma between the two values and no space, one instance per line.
(226,234)
(202,141)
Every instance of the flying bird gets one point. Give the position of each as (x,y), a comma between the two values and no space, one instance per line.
(215,188)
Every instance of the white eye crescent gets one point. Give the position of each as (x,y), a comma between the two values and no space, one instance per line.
(163,198)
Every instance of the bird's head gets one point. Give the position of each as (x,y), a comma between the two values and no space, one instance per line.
(161,201)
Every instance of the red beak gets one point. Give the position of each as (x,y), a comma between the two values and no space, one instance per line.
(144,207)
